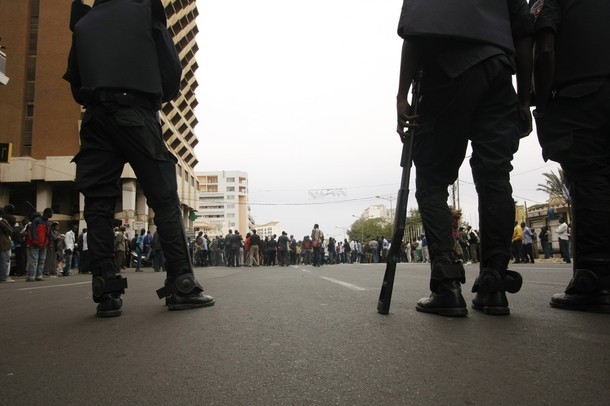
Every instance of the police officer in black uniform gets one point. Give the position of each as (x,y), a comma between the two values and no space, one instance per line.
(572,83)
(122,66)
(468,51)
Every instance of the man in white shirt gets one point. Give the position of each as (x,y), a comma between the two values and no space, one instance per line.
(70,240)
(564,240)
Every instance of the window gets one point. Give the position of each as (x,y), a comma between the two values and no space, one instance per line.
(230,180)
(230,188)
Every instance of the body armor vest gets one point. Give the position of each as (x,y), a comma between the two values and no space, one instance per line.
(116,48)
(485,21)
(582,38)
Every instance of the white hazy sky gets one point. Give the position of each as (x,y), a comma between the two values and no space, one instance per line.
(301,95)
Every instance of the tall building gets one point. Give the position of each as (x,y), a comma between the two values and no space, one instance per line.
(223,203)
(40,120)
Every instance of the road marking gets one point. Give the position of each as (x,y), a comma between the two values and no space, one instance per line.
(345,284)
(55,286)
(305,270)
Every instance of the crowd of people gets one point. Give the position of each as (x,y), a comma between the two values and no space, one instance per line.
(39,249)
(464,70)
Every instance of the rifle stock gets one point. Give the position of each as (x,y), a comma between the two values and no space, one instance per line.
(400,215)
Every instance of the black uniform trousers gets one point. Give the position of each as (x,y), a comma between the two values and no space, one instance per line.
(575,131)
(112,135)
(479,105)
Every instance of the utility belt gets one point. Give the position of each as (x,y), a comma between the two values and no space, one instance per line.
(126,98)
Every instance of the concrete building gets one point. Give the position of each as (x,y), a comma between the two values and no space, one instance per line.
(223,202)
(272,228)
(378,211)
(40,120)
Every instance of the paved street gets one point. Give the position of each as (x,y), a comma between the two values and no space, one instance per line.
(299,336)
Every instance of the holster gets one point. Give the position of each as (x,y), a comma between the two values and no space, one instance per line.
(181,285)
(489,280)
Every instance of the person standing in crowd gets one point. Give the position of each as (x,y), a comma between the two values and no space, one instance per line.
(467,94)
(237,246)
(140,250)
(528,244)
(198,251)
(146,241)
(19,242)
(572,77)
(158,257)
(229,252)
(50,262)
(119,248)
(6,230)
(517,243)
(317,238)
(84,261)
(255,242)
(307,250)
(544,241)
(70,241)
(271,251)
(473,244)
(122,83)
(563,235)
(293,249)
(38,242)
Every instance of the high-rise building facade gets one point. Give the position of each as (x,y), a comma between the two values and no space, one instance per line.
(40,120)
(223,203)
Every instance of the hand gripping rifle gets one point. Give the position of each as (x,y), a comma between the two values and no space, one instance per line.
(400,216)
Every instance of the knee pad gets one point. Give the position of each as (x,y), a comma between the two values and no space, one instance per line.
(489,280)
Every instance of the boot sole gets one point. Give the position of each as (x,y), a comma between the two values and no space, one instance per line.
(494,311)
(446,311)
(109,313)
(585,308)
(187,306)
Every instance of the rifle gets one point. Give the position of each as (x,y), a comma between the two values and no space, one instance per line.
(400,216)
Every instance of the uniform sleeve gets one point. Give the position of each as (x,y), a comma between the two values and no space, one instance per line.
(521,20)
(547,14)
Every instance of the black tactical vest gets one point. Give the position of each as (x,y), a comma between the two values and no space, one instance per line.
(581,46)
(116,48)
(486,21)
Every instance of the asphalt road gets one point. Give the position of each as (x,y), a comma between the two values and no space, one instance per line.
(299,336)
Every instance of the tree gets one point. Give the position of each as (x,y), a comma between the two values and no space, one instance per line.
(555,185)
(365,230)
(368,229)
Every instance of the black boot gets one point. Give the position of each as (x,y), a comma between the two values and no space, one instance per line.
(184,292)
(586,292)
(491,288)
(107,289)
(446,298)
